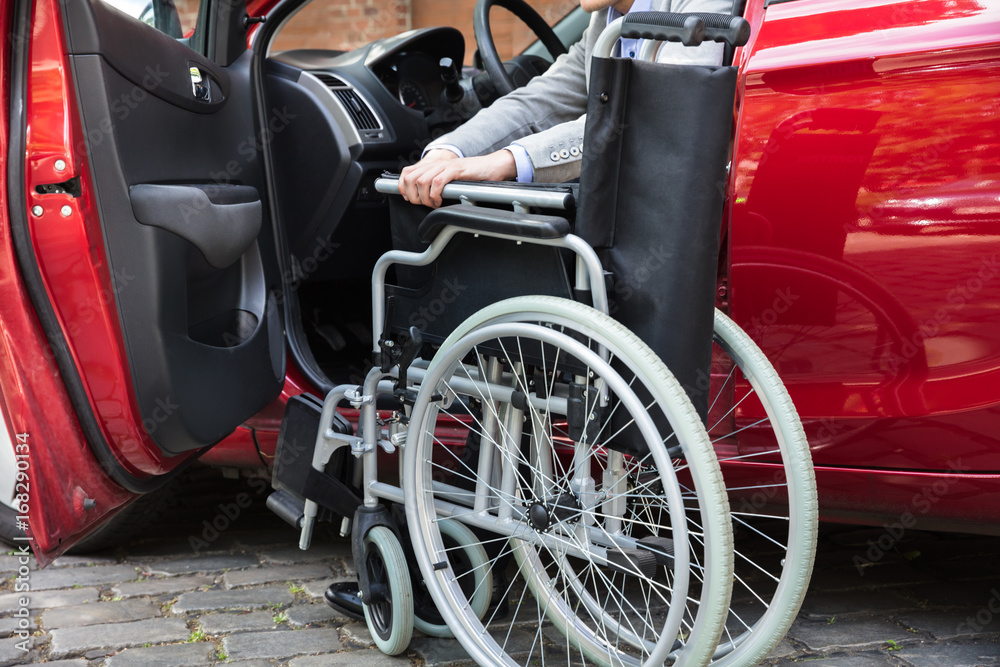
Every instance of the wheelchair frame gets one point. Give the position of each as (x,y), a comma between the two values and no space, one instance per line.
(589,278)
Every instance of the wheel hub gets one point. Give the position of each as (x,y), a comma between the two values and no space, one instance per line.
(542,515)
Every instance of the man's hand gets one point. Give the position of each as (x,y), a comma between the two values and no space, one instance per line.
(423,182)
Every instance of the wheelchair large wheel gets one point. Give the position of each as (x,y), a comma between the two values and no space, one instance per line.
(603,513)
(768,473)
(471,564)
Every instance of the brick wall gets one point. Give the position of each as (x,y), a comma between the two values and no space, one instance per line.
(345,24)
(511,36)
(188,13)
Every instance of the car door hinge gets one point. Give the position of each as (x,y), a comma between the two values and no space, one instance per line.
(70,187)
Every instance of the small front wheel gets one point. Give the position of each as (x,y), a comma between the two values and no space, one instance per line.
(389,611)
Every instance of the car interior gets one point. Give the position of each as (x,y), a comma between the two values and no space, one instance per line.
(271,158)
(271,162)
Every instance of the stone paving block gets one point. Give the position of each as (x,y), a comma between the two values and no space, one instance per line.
(204,563)
(877,576)
(280,644)
(356,635)
(782,650)
(304,614)
(247,598)
(848,633)
(854,660)
(156,587)
(942,624)
(99,612)
(219,624)
(971,595)
(372,658)
(823,606)
(332,551)
(97,654)
(9,625)
(275,538)
(315,589)
(171,655)
(983,652)
(266,575)
(10,654)
(68,577)
(89,559)
(68,642)
(47,599)
(10,563)
(74,662)
(439,652)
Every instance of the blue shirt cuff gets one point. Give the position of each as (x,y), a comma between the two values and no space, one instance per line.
(448,147)
(525,172)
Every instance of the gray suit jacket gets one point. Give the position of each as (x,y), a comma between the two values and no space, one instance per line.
(547,117)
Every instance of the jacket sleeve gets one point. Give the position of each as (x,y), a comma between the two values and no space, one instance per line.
(558,96)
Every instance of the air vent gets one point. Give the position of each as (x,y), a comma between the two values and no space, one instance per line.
(330,81)
(361,114)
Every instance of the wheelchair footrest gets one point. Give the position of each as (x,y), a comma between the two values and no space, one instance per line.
(634,562)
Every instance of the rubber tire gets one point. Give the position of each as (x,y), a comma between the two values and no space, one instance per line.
(400,591)
(803,500)
(483,581)
(718,533)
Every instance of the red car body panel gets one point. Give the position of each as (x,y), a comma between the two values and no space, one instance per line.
(865,228)
(864,224)
(36,405)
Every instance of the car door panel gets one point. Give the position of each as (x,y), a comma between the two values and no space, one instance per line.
(199,320)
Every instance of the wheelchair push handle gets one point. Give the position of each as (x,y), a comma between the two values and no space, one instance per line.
(688,29)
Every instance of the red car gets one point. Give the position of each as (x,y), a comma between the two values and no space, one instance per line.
(863,227)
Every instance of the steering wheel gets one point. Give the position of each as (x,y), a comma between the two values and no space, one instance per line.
(503,82)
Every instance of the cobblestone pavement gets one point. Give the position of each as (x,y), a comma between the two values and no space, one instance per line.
(879,598)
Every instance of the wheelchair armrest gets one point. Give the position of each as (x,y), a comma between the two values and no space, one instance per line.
(493,221)
(549,196)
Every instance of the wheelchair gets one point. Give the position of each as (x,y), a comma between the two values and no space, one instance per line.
(559,498)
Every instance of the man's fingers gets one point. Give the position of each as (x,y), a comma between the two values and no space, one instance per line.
(410,182)
(437,187)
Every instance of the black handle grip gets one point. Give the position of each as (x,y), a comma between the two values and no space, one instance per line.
(733,30)
(688,29)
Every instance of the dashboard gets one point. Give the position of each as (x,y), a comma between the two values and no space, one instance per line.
(354,115)
(413,77)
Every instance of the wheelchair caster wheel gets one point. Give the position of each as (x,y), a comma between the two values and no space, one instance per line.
(389,611)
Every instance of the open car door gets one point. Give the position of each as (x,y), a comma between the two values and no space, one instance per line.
(136,197)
